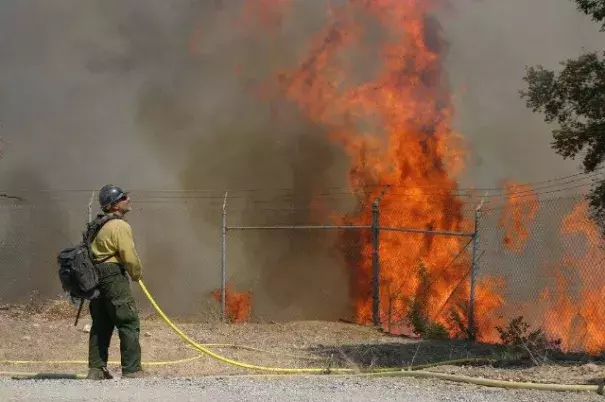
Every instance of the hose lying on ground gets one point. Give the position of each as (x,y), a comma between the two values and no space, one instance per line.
(377,372)
(345,371)
(169,362)
(159,363)
(403,373)
(18,375)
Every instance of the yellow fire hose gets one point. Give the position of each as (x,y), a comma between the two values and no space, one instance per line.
(165,362)
(403,372)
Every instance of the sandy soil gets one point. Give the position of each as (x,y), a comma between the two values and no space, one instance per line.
(48,333)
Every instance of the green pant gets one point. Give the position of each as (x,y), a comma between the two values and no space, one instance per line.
(114,308)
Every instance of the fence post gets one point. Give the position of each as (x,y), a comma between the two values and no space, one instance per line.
(375,263)
(376,256)
(224,261)
(472,334)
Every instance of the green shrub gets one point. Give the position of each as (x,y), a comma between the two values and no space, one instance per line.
(423,326)
(521,343)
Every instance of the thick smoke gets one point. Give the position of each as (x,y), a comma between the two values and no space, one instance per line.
(197,106)
(29,235)
(118,95)
(118,91)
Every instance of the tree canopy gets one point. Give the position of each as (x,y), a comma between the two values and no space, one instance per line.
(574,99)
(593,8)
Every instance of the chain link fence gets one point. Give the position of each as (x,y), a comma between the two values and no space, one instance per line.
(316,259)
(298,263)
(178,242)
(549,255)
(30,239)
(282,257)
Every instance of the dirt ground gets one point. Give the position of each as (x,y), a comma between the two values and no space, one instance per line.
(48,333)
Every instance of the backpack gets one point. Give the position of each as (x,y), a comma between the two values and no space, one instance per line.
(77,270)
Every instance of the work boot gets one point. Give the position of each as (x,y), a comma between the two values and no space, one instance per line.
(99,374)
(136,374)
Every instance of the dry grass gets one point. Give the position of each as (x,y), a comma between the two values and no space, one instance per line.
(45,331)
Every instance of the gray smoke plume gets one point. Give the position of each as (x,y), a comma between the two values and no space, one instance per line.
(196,109)
(111,92)
(118,91)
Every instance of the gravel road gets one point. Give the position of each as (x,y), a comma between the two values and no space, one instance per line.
(270,389)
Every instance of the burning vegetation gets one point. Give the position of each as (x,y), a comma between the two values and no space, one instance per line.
(396,128)
(237,304)
(395,125)
(518,213)
(575,301)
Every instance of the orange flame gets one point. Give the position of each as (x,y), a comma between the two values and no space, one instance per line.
(518,213)
(396,129)
(577,306)
(406,142)
(238,305)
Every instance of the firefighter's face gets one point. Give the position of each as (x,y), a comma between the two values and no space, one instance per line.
(123,204)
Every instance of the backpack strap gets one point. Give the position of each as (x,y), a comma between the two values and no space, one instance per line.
(93,229)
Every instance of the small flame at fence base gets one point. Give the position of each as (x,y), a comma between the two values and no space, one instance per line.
(238,305)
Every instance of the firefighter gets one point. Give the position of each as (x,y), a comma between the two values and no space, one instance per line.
(115,307)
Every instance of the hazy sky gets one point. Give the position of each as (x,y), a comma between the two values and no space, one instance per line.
(491,43)
(60,109)
(102,91)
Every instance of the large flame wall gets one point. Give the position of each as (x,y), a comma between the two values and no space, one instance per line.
(396,127)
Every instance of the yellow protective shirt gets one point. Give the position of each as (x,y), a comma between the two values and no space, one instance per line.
(116,236)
